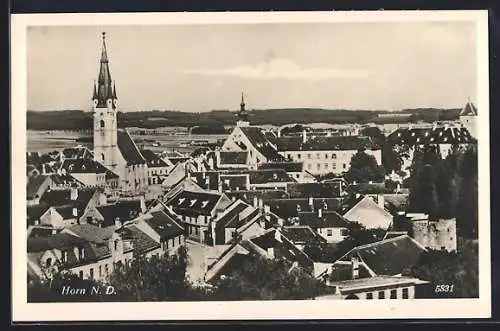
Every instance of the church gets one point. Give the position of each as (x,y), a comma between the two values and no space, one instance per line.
(113,147)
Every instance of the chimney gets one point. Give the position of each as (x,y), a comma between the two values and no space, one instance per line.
(267,209)
(320,213)
(233,198)
(75,212)
(255,202)
(398,188)
(73,193)
(355,267)
(381,201)
(118,223)
(277,235)
(270,252)
(304,136)
(261,203)
(358,195)
(311,203)
(279,133)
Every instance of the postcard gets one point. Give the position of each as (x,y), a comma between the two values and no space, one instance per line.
(246,166)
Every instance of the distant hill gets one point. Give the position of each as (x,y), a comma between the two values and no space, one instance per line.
(78,119)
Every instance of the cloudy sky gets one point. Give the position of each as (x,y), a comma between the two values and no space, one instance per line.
(203,67)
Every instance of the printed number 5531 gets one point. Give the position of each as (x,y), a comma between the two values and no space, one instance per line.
(443,288)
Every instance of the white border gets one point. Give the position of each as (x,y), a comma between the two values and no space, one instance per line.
(293,310)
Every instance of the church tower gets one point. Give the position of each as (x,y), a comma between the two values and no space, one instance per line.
(242,114)
(468,117)
(104,112)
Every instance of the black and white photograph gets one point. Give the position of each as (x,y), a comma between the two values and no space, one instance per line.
(251,158)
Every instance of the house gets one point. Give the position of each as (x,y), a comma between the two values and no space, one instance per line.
(164,229)
(290,208)
(177,174)
(334,189)
(196,210)
(78,152)
(157,168)
(303,235)
(405,141)
(36,187)
(68,206)
(219,160)
(366,211)
(326,154)
(271,244)
(438,234)
(326,223)
(269,179)
(388,257)
(239,219)
(90,173)
(375,288)
(122,210)
(294,169)
(60,181)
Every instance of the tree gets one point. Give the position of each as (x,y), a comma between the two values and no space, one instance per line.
(364,168)
(264,279)
(456,270)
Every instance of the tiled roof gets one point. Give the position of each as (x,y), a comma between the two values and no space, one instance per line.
(124,210)
(35,211)
(67,211)
(91,233)
(129,149)
(152,159)
(469,110)
(328,219)
(349,203)
(83,166)
(426,136)
(234,182)
(195,203)
(287,208)
(302,235)
(208,180)
(248,196)
(233,157)
(287,166)
(63,197)
(269,176)
(40,231)
(315,190)
(34,184)
(77,153)
(232,213)
(65,180)
(261,143)
(164,225)
(391,256)
(141,241)
(334,143)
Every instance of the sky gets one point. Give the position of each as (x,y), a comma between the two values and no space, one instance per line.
(196,68)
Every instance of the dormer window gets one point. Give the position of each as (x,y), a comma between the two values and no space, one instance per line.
(65,256)
(181,200)
(192,202)
(204,204)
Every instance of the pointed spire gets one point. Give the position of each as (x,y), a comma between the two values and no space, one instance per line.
(114,90)
(243,115)
(242,104)
(94,95)
(104,88)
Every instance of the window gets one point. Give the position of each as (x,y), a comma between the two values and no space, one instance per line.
(82,253)
(298,156)
(91,273)
(80,274)
(100,271)
(318,156)
(297,175)
(334,166)
(106,269)
(48,262)
(102,124)
(405,293)
(329,232)
(308,156)
(65,256)
(102,157)
(318,166)
(326,165)
(166,243)
(116,244)
(334,156)
(369,296)
(344,166)
(326,156)
(394,294)
(309,166)
(381,295)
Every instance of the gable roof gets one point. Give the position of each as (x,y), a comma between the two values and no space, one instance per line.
(125,210)
(426,136)
(328,219)
(129,149)
(287,208)
(390,256)
(269,176)
(287,166)
(34,184)
(163,224)
(233,157)
(315,190)
(231,215)
(323,143)
(35,211)
(152,159)
(83,166)
(469,110)
(141,241)
(65,180)
(261,143)
(67,211)
(62,197)
(302,235)
(194,203)
(91,233)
